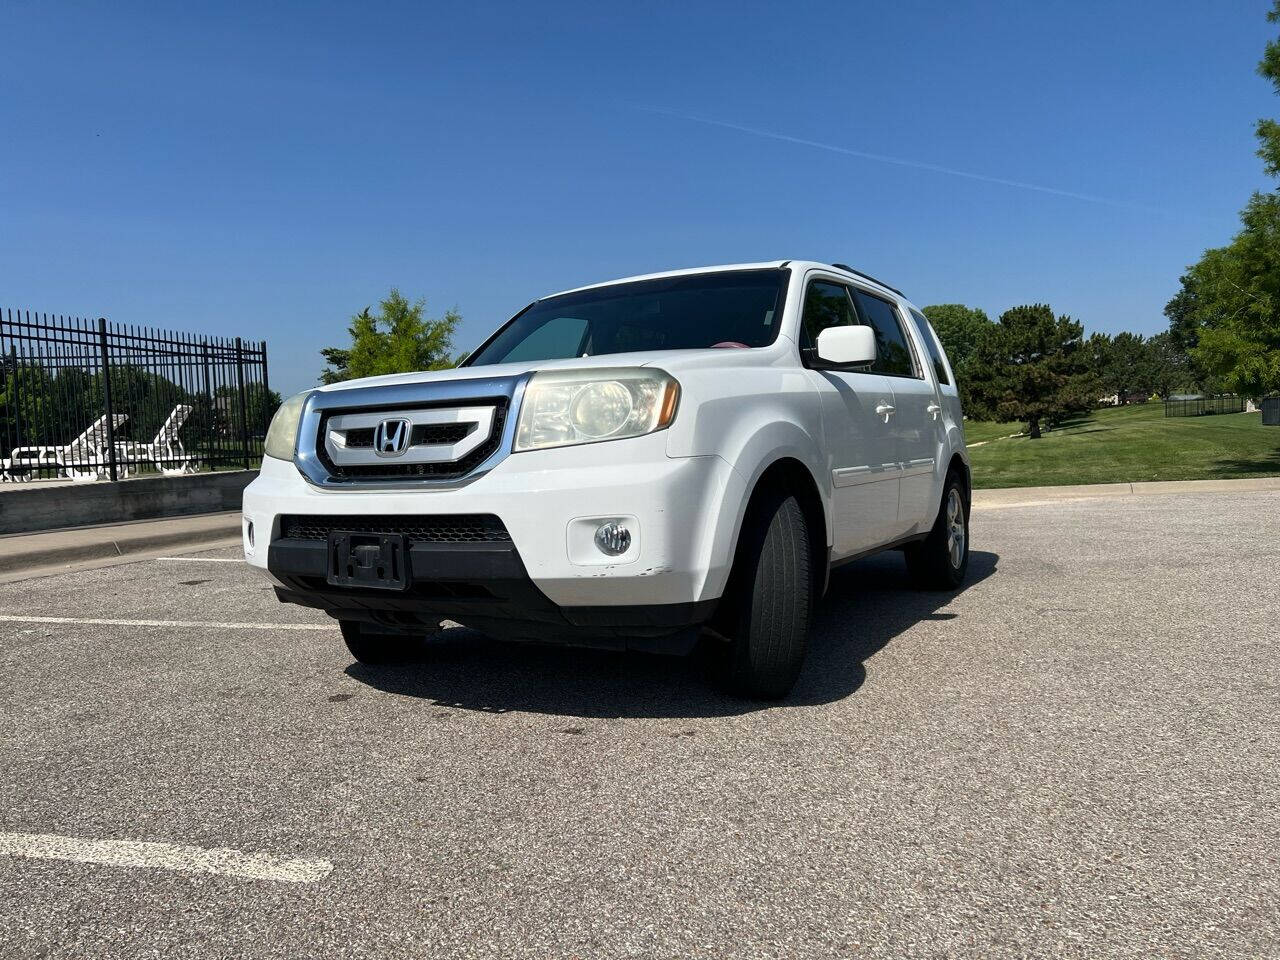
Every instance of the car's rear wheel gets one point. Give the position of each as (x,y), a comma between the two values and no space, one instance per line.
(371,644)
(941,560)
(765,612)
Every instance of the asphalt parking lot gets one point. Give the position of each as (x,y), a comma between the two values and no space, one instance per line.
(1078,755)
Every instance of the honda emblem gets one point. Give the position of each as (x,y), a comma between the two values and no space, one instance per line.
(391,437)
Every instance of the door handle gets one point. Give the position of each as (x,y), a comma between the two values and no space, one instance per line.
(934,409)
(885,410)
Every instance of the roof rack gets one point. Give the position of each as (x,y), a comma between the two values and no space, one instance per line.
(867,276)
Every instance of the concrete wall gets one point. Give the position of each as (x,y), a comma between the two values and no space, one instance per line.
(48,506)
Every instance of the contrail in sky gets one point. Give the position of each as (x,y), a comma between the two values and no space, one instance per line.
(896,161)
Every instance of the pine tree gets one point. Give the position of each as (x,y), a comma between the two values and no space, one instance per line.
(1126,366)
(396,340)
(1031,365)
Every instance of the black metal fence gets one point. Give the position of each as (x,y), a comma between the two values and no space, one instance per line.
(91,399)
(1200,406)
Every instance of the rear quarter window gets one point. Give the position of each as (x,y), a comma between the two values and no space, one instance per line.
(931,344)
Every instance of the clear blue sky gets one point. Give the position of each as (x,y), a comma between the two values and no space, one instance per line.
(266,169)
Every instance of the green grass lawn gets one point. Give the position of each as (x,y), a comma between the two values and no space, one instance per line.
(1127,444)
(979,431)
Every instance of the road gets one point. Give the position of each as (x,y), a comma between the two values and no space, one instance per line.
(1077,755)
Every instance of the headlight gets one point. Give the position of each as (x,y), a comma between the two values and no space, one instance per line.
(282,435)
(585,406)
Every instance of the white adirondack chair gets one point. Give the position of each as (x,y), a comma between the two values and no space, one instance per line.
(84,458)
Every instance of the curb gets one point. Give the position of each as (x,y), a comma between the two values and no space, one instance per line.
(41,506)
(996,497)
(37,554)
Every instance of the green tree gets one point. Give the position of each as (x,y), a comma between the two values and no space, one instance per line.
(398,339)
(1126,366)
(1032,365)
(1235,292)
(1184,335)
(145,396)
(1097,351)
(29,413)
(959,328)
(1269,130)
(1168,364)
(260,406)
(1228,310)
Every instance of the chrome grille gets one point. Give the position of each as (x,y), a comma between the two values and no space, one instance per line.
(458,426)
(423,435)
(445,441)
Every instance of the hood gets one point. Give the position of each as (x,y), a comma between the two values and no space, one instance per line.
(667,359)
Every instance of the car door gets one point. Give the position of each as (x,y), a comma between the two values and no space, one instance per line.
(917,426)
(856,409)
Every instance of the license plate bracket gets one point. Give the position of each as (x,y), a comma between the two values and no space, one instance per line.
(377,561)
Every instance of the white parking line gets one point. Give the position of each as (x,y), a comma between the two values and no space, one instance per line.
(19,618)
(204,559)
(165,856)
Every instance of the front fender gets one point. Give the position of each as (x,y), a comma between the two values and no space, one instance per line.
(767,415)
(777,441)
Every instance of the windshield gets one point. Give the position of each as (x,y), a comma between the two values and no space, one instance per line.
(735,308)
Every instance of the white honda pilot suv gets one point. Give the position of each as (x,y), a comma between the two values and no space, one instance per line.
(636,464)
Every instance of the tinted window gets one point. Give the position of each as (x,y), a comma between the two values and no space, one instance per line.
(559,337)
(739,308)
(930,340)
(826,304)
(893,356)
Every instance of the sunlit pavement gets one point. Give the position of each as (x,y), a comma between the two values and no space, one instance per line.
(1079,754)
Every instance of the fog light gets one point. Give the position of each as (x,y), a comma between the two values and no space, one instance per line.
(248,533)
(613,538)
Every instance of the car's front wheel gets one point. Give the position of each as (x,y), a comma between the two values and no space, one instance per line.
(371,645)
(765,612)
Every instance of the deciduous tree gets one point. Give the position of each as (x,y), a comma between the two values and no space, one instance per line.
(1228,310)
(959,328)
(1269,130)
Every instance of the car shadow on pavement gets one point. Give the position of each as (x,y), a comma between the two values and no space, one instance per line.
(868,603)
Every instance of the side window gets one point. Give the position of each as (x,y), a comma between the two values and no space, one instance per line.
(558,337)
(930,341)
(826,304)
(893,353)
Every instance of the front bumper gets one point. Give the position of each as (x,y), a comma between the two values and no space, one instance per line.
(485,586)
(681,509)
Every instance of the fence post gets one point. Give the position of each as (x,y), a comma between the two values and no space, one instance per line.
(244,407)
(15,400)
(106,397)
(266,392)
(211,435)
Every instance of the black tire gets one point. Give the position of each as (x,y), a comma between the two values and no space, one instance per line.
(934,563)
(368,644)
(766,609)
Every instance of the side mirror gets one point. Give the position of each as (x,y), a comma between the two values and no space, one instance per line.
(845,346)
